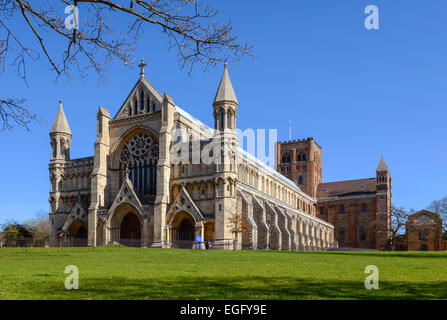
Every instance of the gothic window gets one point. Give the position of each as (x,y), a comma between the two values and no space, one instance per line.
(140,157)
(135,104)
(364,207)
(222,120)
(322,210)
(283,160)
(304,157)
(298,158)
(342,209)
(142,101)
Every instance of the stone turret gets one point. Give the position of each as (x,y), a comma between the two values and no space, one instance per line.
(225,150)
(99,174)
(60,136)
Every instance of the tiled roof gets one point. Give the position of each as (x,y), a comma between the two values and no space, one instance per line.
(346,188)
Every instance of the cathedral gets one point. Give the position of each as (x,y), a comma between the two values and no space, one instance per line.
(146,186)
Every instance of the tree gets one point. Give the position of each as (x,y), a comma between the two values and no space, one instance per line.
(40,228)
(15,234)
(399,217)
(236,222)
(90,38)
(440,207)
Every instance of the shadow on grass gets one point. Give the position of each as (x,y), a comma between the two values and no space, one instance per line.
(237,288)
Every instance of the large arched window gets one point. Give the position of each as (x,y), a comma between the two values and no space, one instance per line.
(139,157)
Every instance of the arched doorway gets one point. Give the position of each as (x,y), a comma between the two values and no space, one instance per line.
(130,230)
(185,230)
(78,234)
(423,247)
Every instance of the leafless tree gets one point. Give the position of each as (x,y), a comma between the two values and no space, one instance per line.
(106,30)
(236,222)
(39,226)
(399,217)
(440,207)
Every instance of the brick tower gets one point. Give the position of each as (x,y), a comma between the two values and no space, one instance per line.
(300,161)
(383,199)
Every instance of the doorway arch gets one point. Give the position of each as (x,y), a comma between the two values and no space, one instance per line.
(78,234)
(130,230)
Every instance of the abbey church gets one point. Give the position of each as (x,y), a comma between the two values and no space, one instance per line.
(132,192)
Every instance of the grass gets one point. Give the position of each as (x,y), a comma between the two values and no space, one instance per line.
(115,272)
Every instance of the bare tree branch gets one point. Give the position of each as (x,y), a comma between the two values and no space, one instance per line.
(100,36)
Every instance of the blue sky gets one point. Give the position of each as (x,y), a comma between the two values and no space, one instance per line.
(360,93)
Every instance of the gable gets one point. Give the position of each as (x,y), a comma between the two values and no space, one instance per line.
(77,213)
(184,202)
(127,194)
(142,89)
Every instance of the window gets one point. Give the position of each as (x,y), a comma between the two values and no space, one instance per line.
(283,160)
(139,157)
(300,180)
(288,159)
(423,247)
(362,235)
(341,236)
(321,210)
(423,235)
(364,207)
(141,100)
(342,209)
(298,158)
(222,120)
(304,157)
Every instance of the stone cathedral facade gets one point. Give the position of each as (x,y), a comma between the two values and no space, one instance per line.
(132,192)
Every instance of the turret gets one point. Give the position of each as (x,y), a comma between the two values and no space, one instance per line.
(225,104)
(225,150)
(383,205)
(60,137)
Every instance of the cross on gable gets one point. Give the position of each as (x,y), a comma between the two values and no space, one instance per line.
(142,65)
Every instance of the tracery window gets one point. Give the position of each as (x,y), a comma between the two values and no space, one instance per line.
(140,157)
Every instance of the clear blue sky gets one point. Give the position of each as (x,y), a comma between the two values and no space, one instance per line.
(359,93)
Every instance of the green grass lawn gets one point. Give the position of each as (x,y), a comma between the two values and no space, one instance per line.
(128,273)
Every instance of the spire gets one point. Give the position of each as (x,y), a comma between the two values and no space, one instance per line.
(60,124)
(225,91)
(382,165)
(142,65)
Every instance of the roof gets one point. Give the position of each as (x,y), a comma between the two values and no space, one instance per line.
(241,151)
(60,124)
(346,188)
(382,165)
(225,91)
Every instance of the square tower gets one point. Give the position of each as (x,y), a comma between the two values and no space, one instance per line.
(300,161)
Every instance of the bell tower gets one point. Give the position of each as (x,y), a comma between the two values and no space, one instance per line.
(224,156)
(383,205)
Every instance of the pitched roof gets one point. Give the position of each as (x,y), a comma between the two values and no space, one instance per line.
(60,124)
(382,165)
(346,188)
(225,91)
